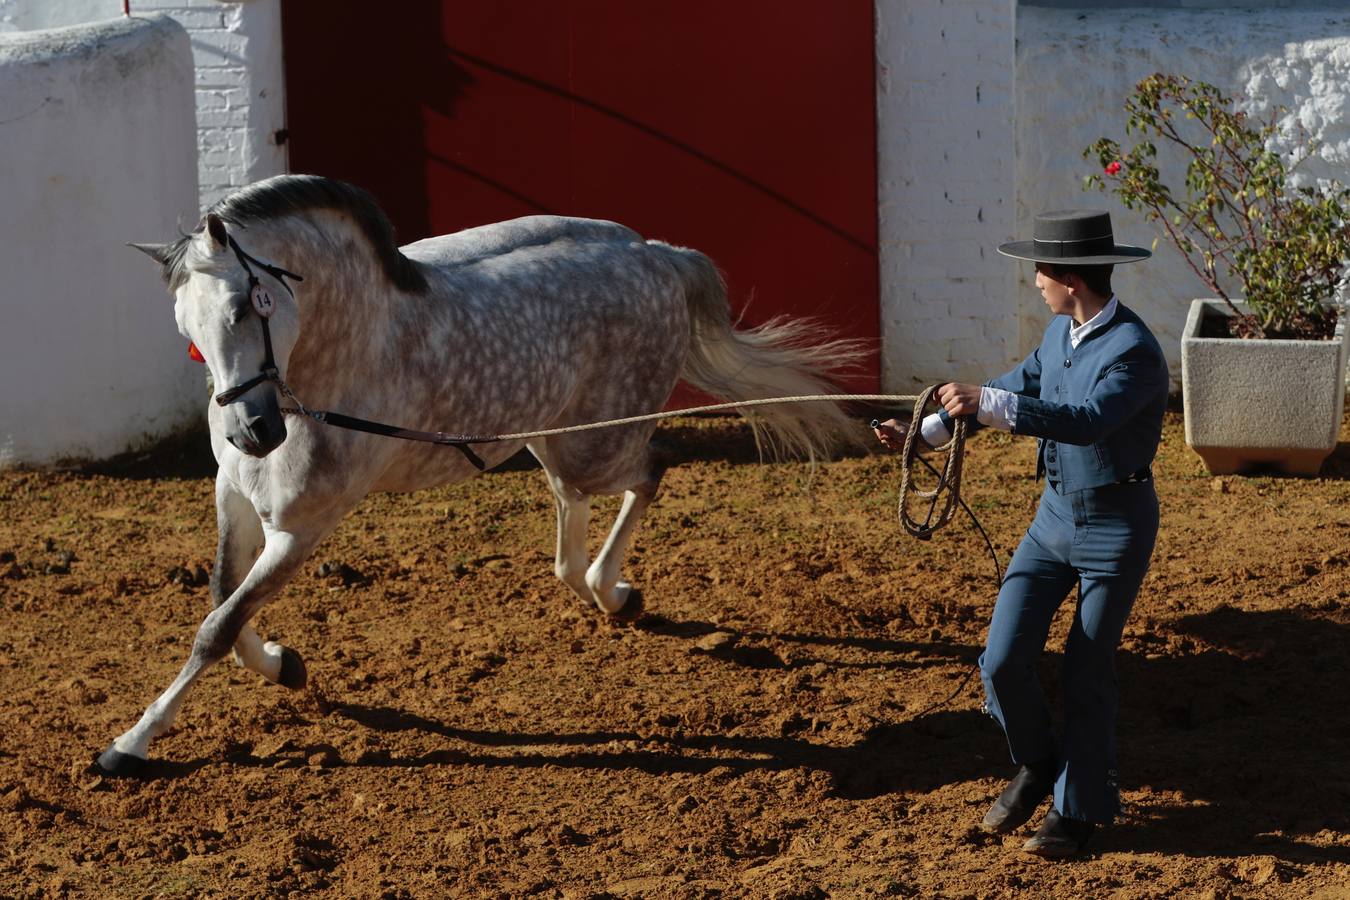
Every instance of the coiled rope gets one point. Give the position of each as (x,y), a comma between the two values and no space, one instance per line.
(949,480)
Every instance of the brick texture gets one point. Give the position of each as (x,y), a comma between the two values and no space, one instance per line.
(945,192)
(240,110)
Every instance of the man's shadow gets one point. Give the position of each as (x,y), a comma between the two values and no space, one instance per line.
(1246,711)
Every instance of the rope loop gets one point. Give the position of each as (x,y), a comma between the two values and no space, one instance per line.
(948,488)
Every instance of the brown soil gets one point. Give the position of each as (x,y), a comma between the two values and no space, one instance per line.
(774,726)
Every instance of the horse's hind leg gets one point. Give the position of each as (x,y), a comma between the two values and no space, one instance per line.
(240,542)
(611,594)
(574,477)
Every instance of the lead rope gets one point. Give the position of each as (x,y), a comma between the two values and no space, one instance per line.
(948,484)
(408,434)
(949,479)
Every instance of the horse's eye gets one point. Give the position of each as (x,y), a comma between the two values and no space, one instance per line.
(238,312)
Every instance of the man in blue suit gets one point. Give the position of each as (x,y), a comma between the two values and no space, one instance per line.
(1093,396)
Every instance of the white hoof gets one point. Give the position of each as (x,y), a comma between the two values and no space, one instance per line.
(612,601)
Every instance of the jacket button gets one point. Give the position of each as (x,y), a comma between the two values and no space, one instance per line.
(1067,363)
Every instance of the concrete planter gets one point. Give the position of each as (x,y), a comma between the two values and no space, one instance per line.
(1253,403)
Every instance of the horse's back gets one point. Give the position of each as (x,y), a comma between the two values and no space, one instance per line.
(486,242)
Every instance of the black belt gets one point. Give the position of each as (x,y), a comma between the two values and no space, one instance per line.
(1142,476)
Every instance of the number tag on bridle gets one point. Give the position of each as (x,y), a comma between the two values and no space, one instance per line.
(262,301)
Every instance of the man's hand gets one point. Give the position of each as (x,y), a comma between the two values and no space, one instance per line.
(959,399)
(891,433)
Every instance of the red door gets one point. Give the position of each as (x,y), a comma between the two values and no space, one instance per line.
(746,130)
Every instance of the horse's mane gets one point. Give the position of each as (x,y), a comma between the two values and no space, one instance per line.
(290,194)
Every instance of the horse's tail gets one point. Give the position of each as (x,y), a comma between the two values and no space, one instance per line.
(784,357)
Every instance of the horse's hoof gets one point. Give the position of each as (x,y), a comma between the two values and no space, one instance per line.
(115,763)
(631,610)
(293,673)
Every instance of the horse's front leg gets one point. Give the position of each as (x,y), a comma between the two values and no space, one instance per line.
(281,557)
(241,540)
(574,515)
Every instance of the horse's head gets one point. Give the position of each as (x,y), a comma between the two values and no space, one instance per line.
(241,316)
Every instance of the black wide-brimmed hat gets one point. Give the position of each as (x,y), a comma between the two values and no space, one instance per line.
(1074,237)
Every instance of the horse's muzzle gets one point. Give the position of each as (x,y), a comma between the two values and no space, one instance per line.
(260,427)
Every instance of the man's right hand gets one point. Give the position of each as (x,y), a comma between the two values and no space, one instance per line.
(891,433)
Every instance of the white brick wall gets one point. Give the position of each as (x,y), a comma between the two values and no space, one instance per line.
(945,193)
(1297,59)
(240,87)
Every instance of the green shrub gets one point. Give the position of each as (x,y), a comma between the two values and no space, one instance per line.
(1287,247)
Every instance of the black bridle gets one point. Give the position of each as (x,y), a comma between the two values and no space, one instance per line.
(263,305)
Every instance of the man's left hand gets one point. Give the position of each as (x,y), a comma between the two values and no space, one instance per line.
(959,399)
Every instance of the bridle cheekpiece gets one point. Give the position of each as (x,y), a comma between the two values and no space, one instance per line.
(264,306)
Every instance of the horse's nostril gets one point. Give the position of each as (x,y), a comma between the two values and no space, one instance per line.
(258,429)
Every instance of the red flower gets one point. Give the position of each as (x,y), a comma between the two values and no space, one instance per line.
(1113,168)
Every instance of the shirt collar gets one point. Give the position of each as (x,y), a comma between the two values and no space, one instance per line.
(1107,312)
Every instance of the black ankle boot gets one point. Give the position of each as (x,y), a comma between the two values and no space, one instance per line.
(1060,837)
(1021,797)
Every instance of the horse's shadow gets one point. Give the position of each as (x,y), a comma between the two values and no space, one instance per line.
(1250,720)
(935,747)
(881,763)
(757,656)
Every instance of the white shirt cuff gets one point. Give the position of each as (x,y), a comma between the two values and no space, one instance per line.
(934,433)
(998,409)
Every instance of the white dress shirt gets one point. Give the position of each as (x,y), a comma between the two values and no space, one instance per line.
(998,408)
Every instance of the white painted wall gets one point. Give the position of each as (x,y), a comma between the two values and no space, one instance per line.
(945,114)
(983,107)
(97,139)
(1074,70)
(239,81)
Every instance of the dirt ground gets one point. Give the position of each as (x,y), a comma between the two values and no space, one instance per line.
(774,725)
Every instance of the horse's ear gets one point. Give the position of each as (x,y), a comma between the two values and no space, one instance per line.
(216,229)
(158,252)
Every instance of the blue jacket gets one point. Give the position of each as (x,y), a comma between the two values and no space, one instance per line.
(1097,409)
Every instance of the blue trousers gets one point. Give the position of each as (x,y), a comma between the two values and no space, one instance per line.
(1100,539)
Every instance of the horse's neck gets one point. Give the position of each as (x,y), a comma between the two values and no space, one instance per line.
(344,300)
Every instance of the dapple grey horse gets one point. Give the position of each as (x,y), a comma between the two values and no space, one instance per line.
(293,290)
